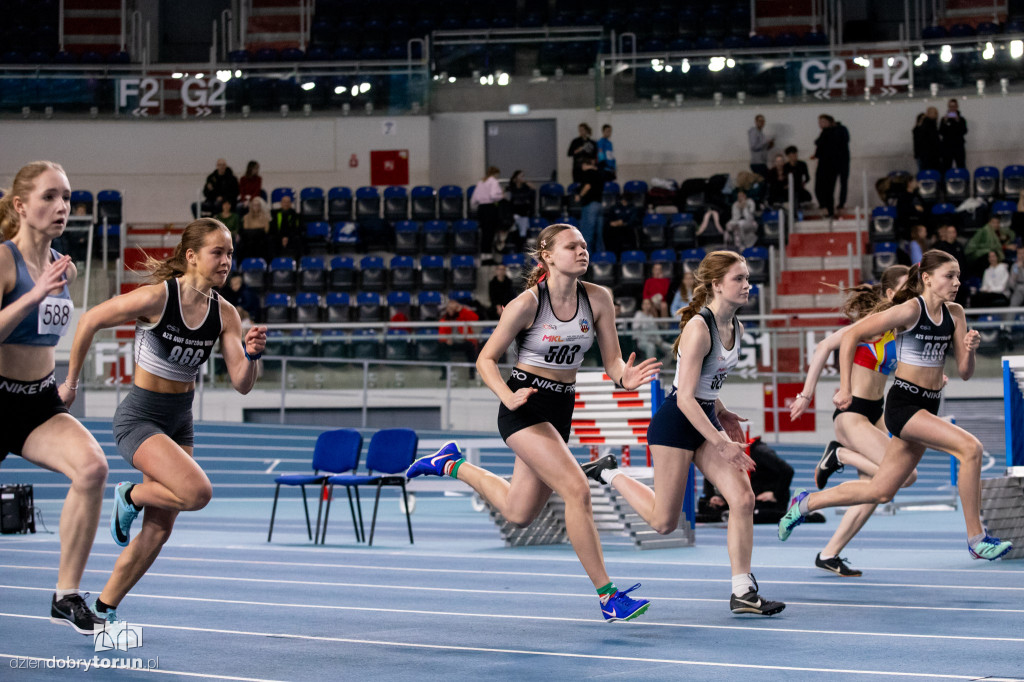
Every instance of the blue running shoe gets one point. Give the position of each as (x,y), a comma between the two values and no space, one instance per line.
(989,548)
(622,607)
(123,516)
(440,463)
(108,617)
(793,517)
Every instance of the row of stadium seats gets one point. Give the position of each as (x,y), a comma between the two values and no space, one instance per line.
(423,345)
(883,218)
(955,185)
(367,306)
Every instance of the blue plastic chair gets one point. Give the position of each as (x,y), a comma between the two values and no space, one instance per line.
(390,453)
(883,223)
(335,452)
(986,182)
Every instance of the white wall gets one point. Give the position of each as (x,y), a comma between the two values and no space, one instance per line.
(161,164)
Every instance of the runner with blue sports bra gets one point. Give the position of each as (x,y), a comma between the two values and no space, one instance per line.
(178,319)
(928,325)
(693,425)
(861,437)
(553,322)
(35,312)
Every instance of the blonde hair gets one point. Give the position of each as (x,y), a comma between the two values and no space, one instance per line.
(258,216)
(175,265)
(715,266)
(24,183)
(545,241)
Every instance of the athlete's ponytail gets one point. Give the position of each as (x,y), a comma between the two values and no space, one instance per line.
(714,267)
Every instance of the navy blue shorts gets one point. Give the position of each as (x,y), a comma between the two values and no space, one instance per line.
(671,428)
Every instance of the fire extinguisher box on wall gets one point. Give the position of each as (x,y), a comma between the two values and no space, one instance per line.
(389,167)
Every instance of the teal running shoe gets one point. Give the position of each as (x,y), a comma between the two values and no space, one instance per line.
(620,606)
(108,617)
(989,548)
(123,516)
(440,463)
(793,517)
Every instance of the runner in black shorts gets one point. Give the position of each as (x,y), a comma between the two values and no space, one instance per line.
(35,313)
(928,325)
(178,321)
(693,425)
(554,322)
(861,437)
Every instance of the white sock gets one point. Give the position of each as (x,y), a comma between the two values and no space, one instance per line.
(825,557)
(609,474)
(804,511)
(65,593)
(975,539)
(742,583)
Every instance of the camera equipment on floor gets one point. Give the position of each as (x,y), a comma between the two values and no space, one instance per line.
(17,509)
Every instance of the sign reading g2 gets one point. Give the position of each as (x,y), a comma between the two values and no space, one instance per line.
(195,92)
(892,71)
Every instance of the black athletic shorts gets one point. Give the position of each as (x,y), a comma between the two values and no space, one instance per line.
(552,403)
(671,428)
(904,401)
(872,409)
(24,406)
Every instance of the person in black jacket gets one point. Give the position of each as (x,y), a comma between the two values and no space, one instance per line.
(221,185)
(500,291)
(828,151)
(952,130)
(285,230)
(842,140)
(927,145)
(582,147)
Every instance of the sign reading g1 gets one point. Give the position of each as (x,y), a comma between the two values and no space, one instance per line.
(892,70)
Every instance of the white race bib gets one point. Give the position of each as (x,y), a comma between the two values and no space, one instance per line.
(55,315)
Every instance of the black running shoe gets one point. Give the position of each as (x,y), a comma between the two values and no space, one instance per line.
(752,602)
(73,611)
(593,469)
(827,465)
(836,565)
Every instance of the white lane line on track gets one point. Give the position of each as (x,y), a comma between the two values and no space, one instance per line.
(556,654)
(155,671)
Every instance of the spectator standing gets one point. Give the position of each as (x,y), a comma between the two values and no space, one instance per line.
(486,196)
(623,226)
(521,195)
(581,148)
(741,230)
(759,144)
(842,141)
(221,185)
(500,291)
(606,154)
(255,229)
(993,284)
(590,197)
(1015,282)
(828,153)
(231,221)
(952,130)
(251,184)
(927,144)
(948,242)
(801,176)
(286,230)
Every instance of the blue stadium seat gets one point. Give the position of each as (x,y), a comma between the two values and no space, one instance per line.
(344,234)
(683,231)
(372,274)
(610,197)
(943,209)
(84,199)
(282,274)
(433,274)
(109,205)
(311,204)
(368,307)
(986,182)
(466,237)
(928,185)
(771,226)
(551,200)
(343,273)
(1013,181)
(396,203)
(339,204)
(958,185)
(652,231)
(312,273)
(463,272)
(317,235)
(399,303)
(632,266)
(450,203)
(277,308)
(757,263)
(428,304)
(602,268)
(883,223)
(636,193)
(307,307)
(367,203)
(514,264)
(366,344)
(424,203)
(276,194)
(884,257)
(666,258)
(338,307)
(254,273)
(1004,210)
(435,236)
(397,344)
(407,237)
(691,258)
(403,273)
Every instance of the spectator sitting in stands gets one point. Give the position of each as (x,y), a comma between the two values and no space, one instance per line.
(909,209)
(991,237)
(1015,282)
(994,283)
(1017,219)
(948,242)
(918,244)
(657,285)
(221,185)
(462,338)
(255,226)
(231,220)
(777,182)
(622,233)
(486,196)
(711,216)
(520,195)
(741,230)
(801,175)
(286,230)
(684,294)
(649,342)
(240,296)
(500,291)
(250,184)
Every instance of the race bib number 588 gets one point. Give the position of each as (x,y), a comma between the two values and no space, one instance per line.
(55,315)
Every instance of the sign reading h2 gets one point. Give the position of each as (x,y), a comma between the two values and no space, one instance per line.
(891,70)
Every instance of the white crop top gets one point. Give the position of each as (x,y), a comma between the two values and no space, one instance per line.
(554,343)
(717,363)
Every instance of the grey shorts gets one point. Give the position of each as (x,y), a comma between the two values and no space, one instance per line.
(145,413)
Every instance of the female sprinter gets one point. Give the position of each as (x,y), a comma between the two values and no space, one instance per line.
(693,425)
(553,322)
(928,324)
(34,314)
(178,320)
(862,437)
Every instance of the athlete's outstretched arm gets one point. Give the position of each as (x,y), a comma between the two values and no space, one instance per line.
(243,371)
(517,316)
(898,317)
(623,372)
(144,303)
